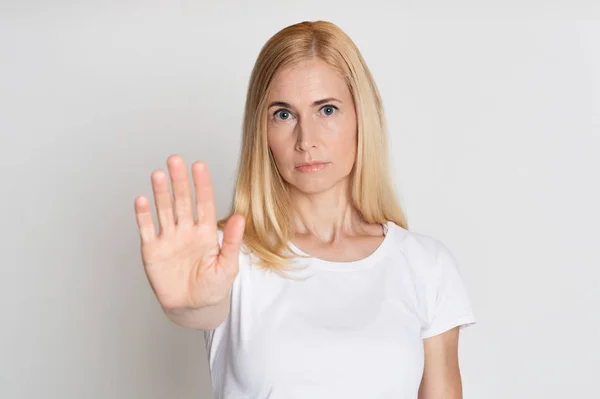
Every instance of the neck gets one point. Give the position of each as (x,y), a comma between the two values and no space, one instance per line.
(327,215)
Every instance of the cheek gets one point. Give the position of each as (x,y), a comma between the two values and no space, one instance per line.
(342,138)
(348,154)
(342,124)
(280,149)
(331,126)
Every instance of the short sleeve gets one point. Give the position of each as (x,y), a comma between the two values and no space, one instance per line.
(447,301)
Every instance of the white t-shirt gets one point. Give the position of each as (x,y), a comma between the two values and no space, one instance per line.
(351,330)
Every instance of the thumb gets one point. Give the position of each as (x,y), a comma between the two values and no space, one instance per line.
(233,233)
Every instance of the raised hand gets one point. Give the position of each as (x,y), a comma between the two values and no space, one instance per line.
(185,265)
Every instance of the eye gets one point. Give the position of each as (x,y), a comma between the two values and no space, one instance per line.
(329,109)
(283,113)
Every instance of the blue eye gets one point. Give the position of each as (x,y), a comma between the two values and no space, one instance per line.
(285,115)
(282,112)
(332,108)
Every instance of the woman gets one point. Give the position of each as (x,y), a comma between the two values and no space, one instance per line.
(313,287)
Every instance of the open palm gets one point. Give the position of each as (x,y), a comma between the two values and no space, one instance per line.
(184,263)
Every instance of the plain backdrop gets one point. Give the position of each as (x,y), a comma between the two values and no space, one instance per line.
(494,118)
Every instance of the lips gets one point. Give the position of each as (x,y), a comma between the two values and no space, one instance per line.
(312,163)
(314,166)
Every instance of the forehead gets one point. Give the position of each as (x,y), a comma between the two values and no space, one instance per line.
(308,81)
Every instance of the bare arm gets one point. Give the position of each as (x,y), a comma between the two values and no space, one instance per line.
(441,376)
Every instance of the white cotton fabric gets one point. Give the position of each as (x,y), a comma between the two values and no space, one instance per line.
(350,330)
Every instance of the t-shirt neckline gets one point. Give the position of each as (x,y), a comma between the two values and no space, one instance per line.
(363,263)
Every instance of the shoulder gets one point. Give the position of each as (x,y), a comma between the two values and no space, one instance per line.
(417,244)
(422,251)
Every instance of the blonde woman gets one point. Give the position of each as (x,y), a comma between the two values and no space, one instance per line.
(313,286)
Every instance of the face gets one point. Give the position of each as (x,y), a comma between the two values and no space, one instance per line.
(312,119)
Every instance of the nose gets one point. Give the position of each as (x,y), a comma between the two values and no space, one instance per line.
(307,135)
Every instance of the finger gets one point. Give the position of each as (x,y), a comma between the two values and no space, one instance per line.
(162,199)
(182,191)
(144,219)
(205,197)
(233,233)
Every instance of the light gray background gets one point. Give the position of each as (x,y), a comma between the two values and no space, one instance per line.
(494,113)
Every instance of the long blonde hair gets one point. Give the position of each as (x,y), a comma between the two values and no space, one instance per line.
(261,195)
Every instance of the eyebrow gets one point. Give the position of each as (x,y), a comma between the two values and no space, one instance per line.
(314,104)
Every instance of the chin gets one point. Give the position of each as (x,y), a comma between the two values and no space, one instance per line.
(316,186)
